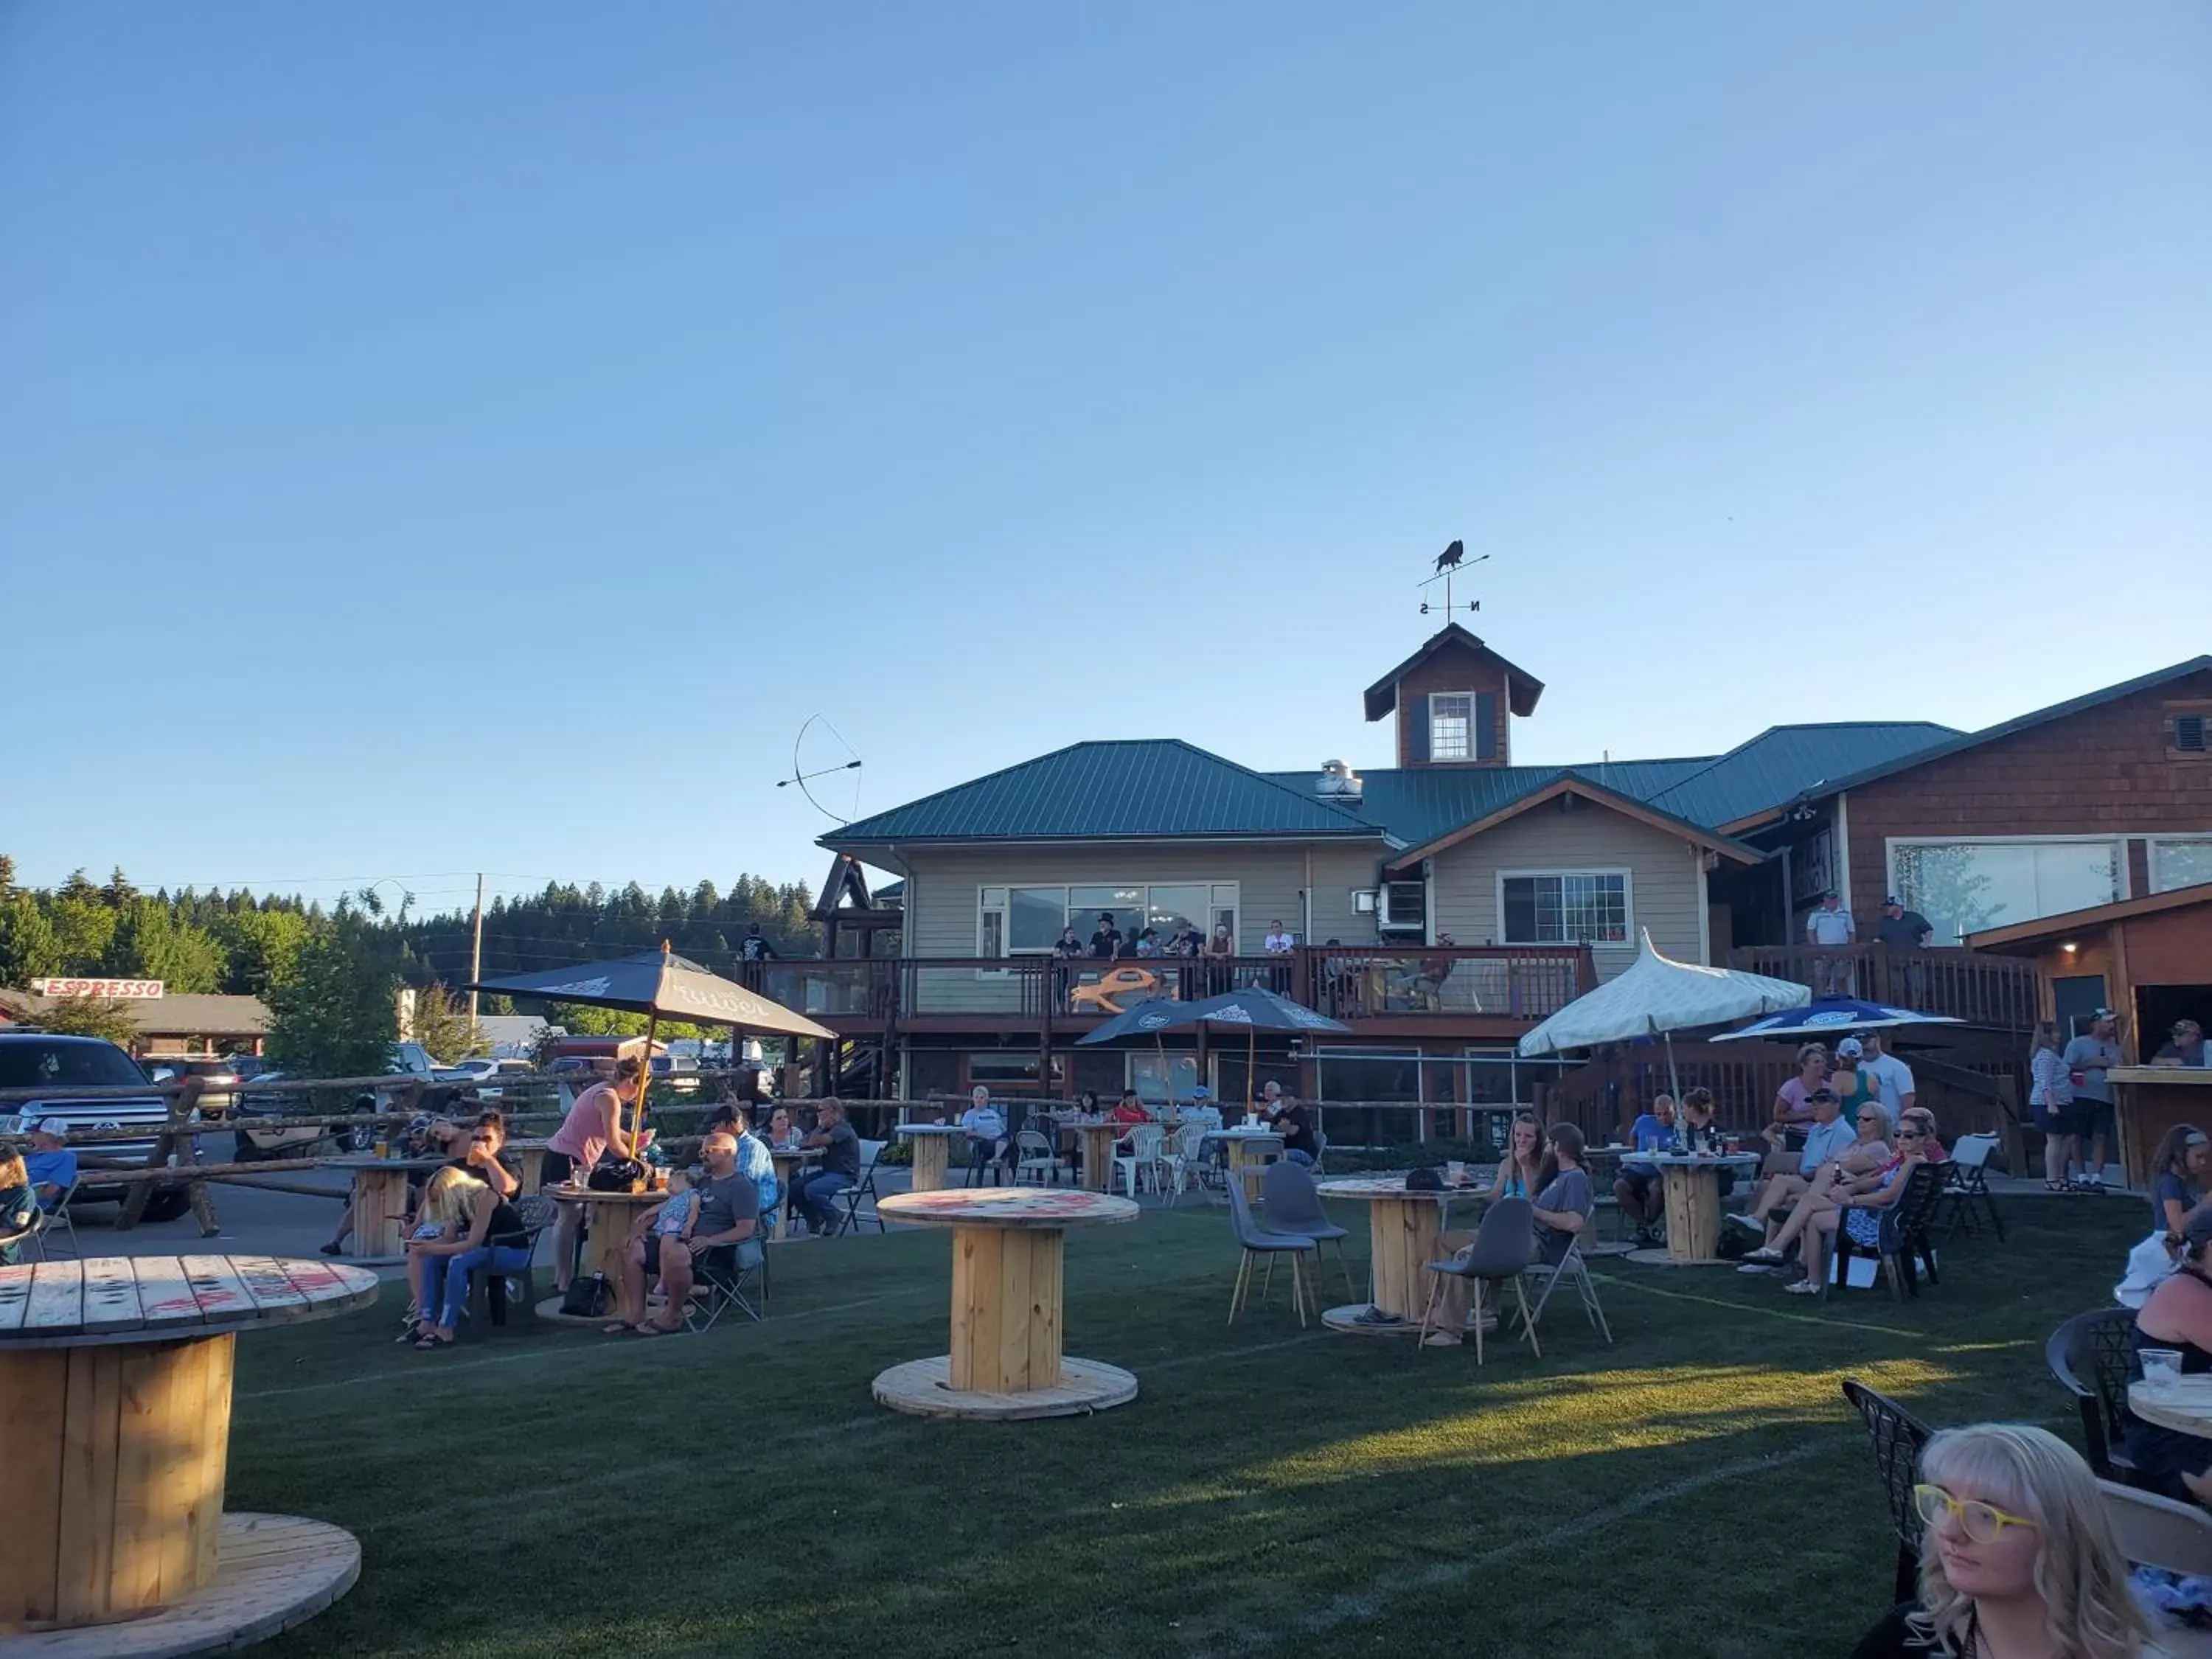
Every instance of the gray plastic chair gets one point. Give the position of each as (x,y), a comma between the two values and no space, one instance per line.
(1500,1253)
(1289,1204)
(1257,1243)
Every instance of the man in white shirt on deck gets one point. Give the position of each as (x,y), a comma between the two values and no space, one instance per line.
(1892,1078)
(1830,928)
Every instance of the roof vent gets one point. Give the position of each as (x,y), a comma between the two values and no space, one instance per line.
(1338,782)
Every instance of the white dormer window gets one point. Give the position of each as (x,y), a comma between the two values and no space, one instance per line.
(1451,726)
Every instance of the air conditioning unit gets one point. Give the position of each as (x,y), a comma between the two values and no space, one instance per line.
(1404,907)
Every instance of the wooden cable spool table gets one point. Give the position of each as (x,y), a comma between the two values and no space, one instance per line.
(1402,1229)
(2185,1404)
(115,1378)
(1692,1183)
(1096,1140)
(932,1151)
(379,1203)
(609,1215)
(529,1157)
(1006,1360)
(788,1161)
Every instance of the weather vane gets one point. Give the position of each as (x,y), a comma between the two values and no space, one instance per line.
(1448,564)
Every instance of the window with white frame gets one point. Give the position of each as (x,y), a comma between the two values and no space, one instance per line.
(1451,726)
(1564,907)
(1015,921)
(1964,886)
(2180,861)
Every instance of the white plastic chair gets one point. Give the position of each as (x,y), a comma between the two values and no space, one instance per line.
(1144,1154)
(2158,1532)
(1182,1159)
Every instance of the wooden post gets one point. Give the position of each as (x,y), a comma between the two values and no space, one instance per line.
(177,1141)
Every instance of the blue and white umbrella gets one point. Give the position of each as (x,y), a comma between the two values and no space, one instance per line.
(1829,1015)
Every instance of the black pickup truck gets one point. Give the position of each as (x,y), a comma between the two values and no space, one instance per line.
(38,1059)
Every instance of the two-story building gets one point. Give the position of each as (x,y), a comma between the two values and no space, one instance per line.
(1442,905)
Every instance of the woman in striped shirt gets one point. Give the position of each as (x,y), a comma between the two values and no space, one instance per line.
(2050,1098)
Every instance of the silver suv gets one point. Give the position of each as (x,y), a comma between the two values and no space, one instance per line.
(41,1061)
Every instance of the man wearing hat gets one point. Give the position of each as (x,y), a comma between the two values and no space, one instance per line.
(1830,928)
(1900,930)
(49,1163)
(2088,1057)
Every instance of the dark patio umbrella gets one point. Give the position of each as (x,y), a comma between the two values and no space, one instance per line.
(660,985)
(1253,1011)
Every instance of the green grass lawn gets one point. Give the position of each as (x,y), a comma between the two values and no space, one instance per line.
(1698,1488)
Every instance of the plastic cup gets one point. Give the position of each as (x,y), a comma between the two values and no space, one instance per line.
(1456,1172)
(2161,1367)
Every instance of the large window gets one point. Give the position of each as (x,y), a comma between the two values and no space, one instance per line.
(1963,886)
(1451,727)
(1565,907)
(2180,863)
(1028,920)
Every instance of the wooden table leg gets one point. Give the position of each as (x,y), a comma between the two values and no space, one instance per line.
(379,1206)
(930,1157)
(1005,1309)
(1693,1212)
(116,1457)
(1402,1238)
(1098,1157)
(603,1252)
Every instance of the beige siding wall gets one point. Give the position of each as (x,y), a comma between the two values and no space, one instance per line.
(1663,886)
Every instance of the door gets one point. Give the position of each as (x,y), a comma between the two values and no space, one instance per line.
(2077,996)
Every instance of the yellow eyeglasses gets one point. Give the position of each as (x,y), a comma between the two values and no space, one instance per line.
(1980,1522)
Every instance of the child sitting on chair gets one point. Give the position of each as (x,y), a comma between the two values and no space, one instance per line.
(679,1213)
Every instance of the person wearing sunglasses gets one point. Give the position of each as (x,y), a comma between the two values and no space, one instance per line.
(1868,1170)
(2178,1315)
(2017,1560)
(1854,1206)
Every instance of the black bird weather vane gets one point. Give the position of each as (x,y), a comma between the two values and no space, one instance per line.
(1447,565)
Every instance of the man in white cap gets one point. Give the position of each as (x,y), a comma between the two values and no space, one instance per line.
(2087,1058)
(51,1165)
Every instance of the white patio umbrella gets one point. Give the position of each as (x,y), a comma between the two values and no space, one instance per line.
(1657,996)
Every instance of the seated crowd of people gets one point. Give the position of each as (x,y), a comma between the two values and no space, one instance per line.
(994,1136)
(33,1185)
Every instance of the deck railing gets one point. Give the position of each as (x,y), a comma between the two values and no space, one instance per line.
(1351,983)
(2003,993)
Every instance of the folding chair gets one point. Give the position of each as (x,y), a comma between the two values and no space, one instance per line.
(1034,1156)
(58,1216)
(1570,1267)
(1967,1187)
(864,1188)
(723,1284)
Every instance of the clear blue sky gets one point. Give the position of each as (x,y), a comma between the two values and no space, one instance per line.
(440,437)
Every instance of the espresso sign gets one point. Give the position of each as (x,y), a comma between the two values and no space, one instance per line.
(124,989)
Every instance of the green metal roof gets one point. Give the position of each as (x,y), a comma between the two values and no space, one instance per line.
(1147,789)
(1785,761)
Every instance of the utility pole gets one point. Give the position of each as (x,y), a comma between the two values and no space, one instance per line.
(475,951)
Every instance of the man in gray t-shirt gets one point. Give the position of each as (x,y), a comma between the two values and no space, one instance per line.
(2088,1058)
(729,1214)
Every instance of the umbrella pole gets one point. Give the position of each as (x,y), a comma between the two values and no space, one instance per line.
(1251,1061)
(1674,1081)
(644,1082)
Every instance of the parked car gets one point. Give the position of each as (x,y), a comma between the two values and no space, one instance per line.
(222,1075)
(481,1074)
(409,1060)
(42,1060)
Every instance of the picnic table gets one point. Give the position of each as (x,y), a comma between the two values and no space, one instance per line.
(1004,1360)
(115,1388)
(379,1202)
(932,1151)
(1692,1183)
(608,1217)
(1402,1229)
(788,1161)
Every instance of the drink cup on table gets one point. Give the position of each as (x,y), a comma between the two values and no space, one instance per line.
(2161,1367)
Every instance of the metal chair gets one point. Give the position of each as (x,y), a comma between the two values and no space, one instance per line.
(1967,1187)
(48,1220)
(1500,1253)
(871,1154)
(2093,1355)
(2159,1532)
(1573,1268)
(1289,1204)
(1034,1156)
(1256,1244)
(1898,1436)
(494,1298)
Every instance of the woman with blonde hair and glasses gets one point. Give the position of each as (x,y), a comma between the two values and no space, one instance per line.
(2018,1560)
